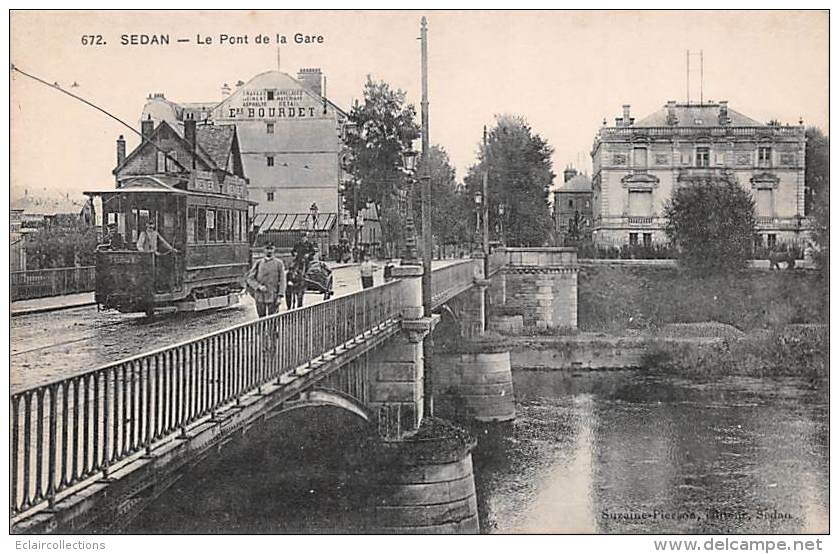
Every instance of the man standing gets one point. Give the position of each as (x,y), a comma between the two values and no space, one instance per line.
(164,268)
(303,251)
(149,240)
(367,269)
(114,240)
(267,281)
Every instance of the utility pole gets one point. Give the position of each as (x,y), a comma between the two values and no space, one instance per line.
(427,345)
(485,206)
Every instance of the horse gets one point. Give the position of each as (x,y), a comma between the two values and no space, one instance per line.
(295,287)
(775,258)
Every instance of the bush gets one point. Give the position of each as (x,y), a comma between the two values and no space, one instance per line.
(656,251)
(783,351)
(713,224)
(615,298)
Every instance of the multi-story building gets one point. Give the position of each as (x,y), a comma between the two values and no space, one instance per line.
(291,144)
(572,206)
(638,164)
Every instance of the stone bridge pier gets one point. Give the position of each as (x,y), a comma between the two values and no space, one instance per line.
(426,483)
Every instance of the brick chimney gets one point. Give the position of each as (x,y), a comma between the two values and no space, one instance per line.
(189,135)
(569,173)
(147,127)
(312,79)
(672,118)
(120,150)
(724,119)
(626,120)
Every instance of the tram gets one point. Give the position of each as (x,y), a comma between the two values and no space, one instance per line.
(210,255)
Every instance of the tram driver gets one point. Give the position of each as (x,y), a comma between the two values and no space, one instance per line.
(150,241)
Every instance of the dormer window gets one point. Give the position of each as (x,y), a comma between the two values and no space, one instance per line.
(270,94)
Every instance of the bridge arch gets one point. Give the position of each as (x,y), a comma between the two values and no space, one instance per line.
(323,397)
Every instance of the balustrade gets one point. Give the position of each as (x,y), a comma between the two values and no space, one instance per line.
(76,428)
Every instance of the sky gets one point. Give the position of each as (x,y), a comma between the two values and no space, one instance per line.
(563,71)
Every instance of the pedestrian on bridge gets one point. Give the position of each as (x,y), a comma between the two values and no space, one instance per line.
(266,282)
(367,269)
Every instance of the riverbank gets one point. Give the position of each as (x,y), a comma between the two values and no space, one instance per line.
(614,298)
(699,350)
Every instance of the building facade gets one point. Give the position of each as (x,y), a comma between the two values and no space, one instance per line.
(290,137)
(637,165)
(572,208)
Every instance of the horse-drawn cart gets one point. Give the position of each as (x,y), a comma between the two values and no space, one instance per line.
(307,276)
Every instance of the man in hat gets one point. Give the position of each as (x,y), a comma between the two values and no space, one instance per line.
(267,282)
(113,240)
(303,251)
(150,240)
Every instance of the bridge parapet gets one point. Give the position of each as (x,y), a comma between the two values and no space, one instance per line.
(541,284)
(70,438)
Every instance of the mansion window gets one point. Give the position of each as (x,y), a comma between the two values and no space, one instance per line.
(703,156)
(570,203)
(269,160)
(771,240)
(641,203)
(639,158)
(270,196)
(269,128)
(270,94)
(633,239)
(648,240)
(764,156)
(764,202)
(161,162)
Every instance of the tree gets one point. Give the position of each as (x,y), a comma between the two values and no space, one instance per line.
(384,127)
(520,176)
(449,211)
(816,167)
(712,224)
(817,193)
(63,244)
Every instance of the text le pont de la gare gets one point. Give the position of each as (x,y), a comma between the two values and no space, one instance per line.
(163,39)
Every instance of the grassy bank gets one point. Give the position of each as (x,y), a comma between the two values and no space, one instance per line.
(616,298)
(800,350)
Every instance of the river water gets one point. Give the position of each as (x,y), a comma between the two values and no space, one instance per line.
(625,452)
(593,452)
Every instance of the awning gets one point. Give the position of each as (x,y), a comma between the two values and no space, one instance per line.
(294,222)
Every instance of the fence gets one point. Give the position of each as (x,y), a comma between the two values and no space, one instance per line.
(68,431)
(25,285)
(451,280)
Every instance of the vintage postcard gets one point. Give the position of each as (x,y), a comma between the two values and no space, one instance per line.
(408,272)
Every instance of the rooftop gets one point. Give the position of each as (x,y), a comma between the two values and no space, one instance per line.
(697,115)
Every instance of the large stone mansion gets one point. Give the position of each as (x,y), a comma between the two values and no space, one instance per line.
(636,166)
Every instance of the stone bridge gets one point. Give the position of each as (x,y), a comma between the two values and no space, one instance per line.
(90,452)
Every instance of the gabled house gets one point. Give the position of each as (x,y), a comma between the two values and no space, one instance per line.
(186,156)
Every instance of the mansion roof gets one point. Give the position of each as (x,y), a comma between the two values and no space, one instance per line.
(696,115)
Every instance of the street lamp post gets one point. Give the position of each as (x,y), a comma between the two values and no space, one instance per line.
(501,224)
(478,212)
(409,256)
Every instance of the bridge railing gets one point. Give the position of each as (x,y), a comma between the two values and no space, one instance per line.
(68,431)
(497,260)
(24,285)
(451,280)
